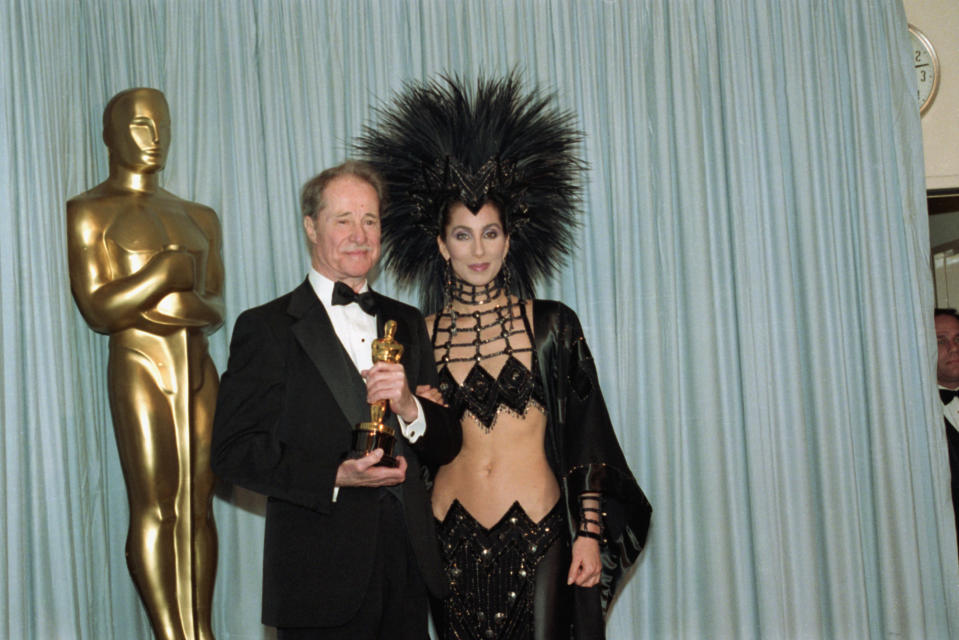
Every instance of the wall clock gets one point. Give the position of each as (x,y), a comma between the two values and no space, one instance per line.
(926,63)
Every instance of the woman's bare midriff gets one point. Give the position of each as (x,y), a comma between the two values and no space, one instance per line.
(497,468)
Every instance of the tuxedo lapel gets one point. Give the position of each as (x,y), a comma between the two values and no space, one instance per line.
(315,334)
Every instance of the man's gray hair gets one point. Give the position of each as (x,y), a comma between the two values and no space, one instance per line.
(311,197)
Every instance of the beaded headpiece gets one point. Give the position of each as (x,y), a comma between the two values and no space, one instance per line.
(442,142)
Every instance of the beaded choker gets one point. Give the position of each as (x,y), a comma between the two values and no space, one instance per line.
(466,293)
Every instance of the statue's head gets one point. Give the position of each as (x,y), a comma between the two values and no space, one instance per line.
(136,129)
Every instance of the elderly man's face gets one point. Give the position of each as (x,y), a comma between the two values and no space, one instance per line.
(947,335)
(345,234)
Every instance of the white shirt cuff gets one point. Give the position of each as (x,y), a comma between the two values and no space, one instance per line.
(414,430)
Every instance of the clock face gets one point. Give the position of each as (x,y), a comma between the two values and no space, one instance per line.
(926,63)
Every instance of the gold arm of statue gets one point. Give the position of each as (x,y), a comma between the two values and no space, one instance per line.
(145,268)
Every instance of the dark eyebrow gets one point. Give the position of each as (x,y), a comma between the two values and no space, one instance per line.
(491,225)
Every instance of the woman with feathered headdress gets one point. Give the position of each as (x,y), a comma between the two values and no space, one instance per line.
(539,515)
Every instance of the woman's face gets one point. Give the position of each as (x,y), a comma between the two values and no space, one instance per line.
(475,244)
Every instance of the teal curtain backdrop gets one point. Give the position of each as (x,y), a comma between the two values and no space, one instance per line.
(752,274)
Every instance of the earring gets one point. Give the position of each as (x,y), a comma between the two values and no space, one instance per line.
(506,278)
(448,282)
(448,302)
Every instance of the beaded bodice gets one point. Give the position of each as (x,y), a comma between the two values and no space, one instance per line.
(489,338)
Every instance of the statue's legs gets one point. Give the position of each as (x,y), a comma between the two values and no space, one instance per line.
(163,394)
(204,528)
(143,420)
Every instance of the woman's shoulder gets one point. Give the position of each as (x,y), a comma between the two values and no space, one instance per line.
(553,309)
(554,318)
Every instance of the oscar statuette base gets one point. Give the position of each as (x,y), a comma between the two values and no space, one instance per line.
(368,436)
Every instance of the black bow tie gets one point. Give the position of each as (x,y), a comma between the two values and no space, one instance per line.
(344,294)
(948,394)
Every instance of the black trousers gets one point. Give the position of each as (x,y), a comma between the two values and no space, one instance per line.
(553,598)
(396,602)
(557,605)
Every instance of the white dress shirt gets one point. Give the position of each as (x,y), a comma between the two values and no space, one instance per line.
(951,410)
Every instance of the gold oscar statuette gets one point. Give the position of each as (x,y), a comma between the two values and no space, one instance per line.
(145,269)
(371,435)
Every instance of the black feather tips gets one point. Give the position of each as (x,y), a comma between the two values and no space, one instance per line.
(442,142)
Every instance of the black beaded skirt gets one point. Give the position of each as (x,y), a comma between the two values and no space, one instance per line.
(492,572)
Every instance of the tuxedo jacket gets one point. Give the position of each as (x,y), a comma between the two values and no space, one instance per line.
(952,440)
(284,417)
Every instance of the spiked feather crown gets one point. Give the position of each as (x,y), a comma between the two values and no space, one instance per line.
(441,142)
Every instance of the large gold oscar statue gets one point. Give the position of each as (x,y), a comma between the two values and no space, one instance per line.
(145,268)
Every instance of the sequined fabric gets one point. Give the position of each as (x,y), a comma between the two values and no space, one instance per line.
(492,572)
(514,389)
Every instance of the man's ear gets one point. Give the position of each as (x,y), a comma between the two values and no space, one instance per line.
(309,225)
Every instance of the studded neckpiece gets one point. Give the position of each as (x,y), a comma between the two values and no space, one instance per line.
(471,294)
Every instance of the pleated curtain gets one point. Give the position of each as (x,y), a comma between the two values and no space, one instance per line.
(752,274)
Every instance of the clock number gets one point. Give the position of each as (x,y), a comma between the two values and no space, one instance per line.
(926,65)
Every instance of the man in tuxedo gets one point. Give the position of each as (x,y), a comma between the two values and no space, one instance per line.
(349,549)
(947,373)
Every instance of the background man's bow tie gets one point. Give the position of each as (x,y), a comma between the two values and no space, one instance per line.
(948,394)
(344,294)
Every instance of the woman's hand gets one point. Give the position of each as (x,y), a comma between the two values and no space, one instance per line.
(430,393)
(586,566)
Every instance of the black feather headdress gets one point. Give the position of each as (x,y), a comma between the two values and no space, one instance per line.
(441,142)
